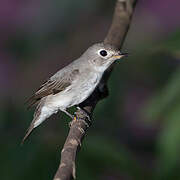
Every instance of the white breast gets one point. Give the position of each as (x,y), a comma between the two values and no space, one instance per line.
(85,88)
(79,91)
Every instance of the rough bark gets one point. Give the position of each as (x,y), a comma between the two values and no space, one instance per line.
(116,35)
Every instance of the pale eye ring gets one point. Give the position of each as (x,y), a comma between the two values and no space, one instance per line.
(103,53)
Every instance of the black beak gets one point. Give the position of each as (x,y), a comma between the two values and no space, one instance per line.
(123,54)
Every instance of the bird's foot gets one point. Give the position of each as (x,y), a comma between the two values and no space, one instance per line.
(85,113)
(75,119)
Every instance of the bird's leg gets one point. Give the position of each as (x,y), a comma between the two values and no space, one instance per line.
(70,115)
(67,113)
(87,115)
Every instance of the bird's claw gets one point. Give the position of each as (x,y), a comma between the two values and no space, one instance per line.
(85,113)
(74,118)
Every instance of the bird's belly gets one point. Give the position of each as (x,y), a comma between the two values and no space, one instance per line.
(60,100)
(74,95)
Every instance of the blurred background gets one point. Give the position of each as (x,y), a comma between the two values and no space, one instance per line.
(136,130)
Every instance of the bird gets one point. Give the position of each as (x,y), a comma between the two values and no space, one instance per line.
(72,84)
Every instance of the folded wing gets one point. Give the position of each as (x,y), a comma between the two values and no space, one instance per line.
(53,85)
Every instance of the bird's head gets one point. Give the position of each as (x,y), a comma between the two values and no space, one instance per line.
(101,56)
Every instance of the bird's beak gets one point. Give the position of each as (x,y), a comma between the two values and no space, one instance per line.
(120,55)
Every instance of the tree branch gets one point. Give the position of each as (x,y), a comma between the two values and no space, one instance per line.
(116,35)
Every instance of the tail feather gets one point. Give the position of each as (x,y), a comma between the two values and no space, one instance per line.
(41,114)
(36,118)
(28,132)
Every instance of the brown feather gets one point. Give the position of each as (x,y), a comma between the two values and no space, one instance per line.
(52,86)
(36,116)
(29,130)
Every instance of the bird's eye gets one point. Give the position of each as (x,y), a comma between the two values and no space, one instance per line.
(103,53)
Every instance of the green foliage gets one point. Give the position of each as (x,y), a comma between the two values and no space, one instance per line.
(115,144)
(164,108)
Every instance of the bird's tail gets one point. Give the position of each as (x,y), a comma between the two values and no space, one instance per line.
(36,119)
(28,132)
(39,117)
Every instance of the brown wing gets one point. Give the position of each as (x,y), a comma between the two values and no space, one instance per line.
(53,86)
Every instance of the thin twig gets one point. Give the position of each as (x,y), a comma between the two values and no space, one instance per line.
(116,35)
